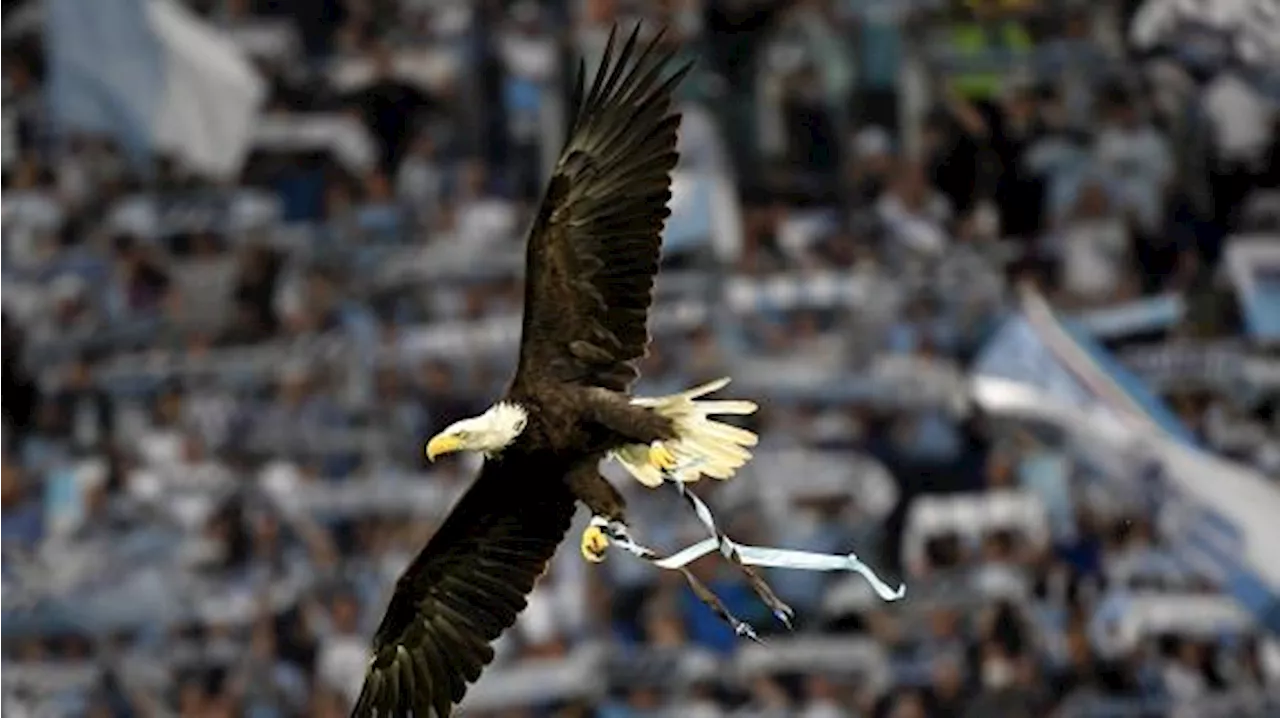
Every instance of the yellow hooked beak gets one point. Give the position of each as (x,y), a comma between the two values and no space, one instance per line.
(442,444)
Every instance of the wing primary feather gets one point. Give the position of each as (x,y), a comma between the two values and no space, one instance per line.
(422,699)
(443,677)
(480,654)
(640,63)
(651,72)
(442,680)
(408,679)
(365,706)
(506,573)
(620,66)
(392,693)
(473,595)
(498,591)
(579,86)
(462,621)
(457,681)
(593,97)
(674,79)
(458,651)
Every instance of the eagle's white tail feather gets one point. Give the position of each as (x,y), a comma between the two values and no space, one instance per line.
(702,446)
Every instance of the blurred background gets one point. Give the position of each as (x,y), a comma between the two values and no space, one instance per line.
(1003,274)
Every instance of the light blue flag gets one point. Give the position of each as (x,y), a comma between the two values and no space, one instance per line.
(691,222)
(154,76)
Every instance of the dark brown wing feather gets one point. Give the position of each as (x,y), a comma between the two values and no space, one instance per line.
(463,590)
(594,247)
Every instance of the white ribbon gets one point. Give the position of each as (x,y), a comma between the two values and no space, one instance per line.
(745,556)
(787,558)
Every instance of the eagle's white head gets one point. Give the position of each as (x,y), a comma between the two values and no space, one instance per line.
(489,433)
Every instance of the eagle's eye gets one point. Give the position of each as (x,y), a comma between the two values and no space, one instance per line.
(463,435)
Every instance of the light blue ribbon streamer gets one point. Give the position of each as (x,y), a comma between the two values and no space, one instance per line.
(749,555)
(785,558)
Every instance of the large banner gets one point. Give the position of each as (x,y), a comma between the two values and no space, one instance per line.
(704,213)
(1218,516)
(1062,359)
(154,75)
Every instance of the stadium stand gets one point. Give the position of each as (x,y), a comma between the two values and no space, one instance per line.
(1002,275)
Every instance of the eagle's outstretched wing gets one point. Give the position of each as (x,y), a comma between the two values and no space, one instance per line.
(464,589)
(594,246)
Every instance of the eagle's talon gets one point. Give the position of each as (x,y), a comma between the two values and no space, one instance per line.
(784,617)
(745,630)
(661,457)
(594,544)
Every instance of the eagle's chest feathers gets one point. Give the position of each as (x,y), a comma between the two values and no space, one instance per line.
(554,425)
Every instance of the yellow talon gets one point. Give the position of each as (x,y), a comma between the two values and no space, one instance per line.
(661,457)
(594,544)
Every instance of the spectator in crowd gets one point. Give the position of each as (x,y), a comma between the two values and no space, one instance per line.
(19,386)
(391,108)
(23,517)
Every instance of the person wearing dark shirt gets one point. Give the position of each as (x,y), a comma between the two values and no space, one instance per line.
(143,280)
(811,131)
(390,108)
(85,407)
(953,153)
(871,166)
(438,392)
(21,394)
(259,270)
(947,696)
(317,21)
(23,512)
(1019,194)
(735,29)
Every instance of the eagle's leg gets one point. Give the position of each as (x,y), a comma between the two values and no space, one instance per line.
(603,500)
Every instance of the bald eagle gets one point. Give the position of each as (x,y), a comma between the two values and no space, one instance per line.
(592,254)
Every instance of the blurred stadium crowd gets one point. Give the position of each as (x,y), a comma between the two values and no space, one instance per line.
(215,393)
